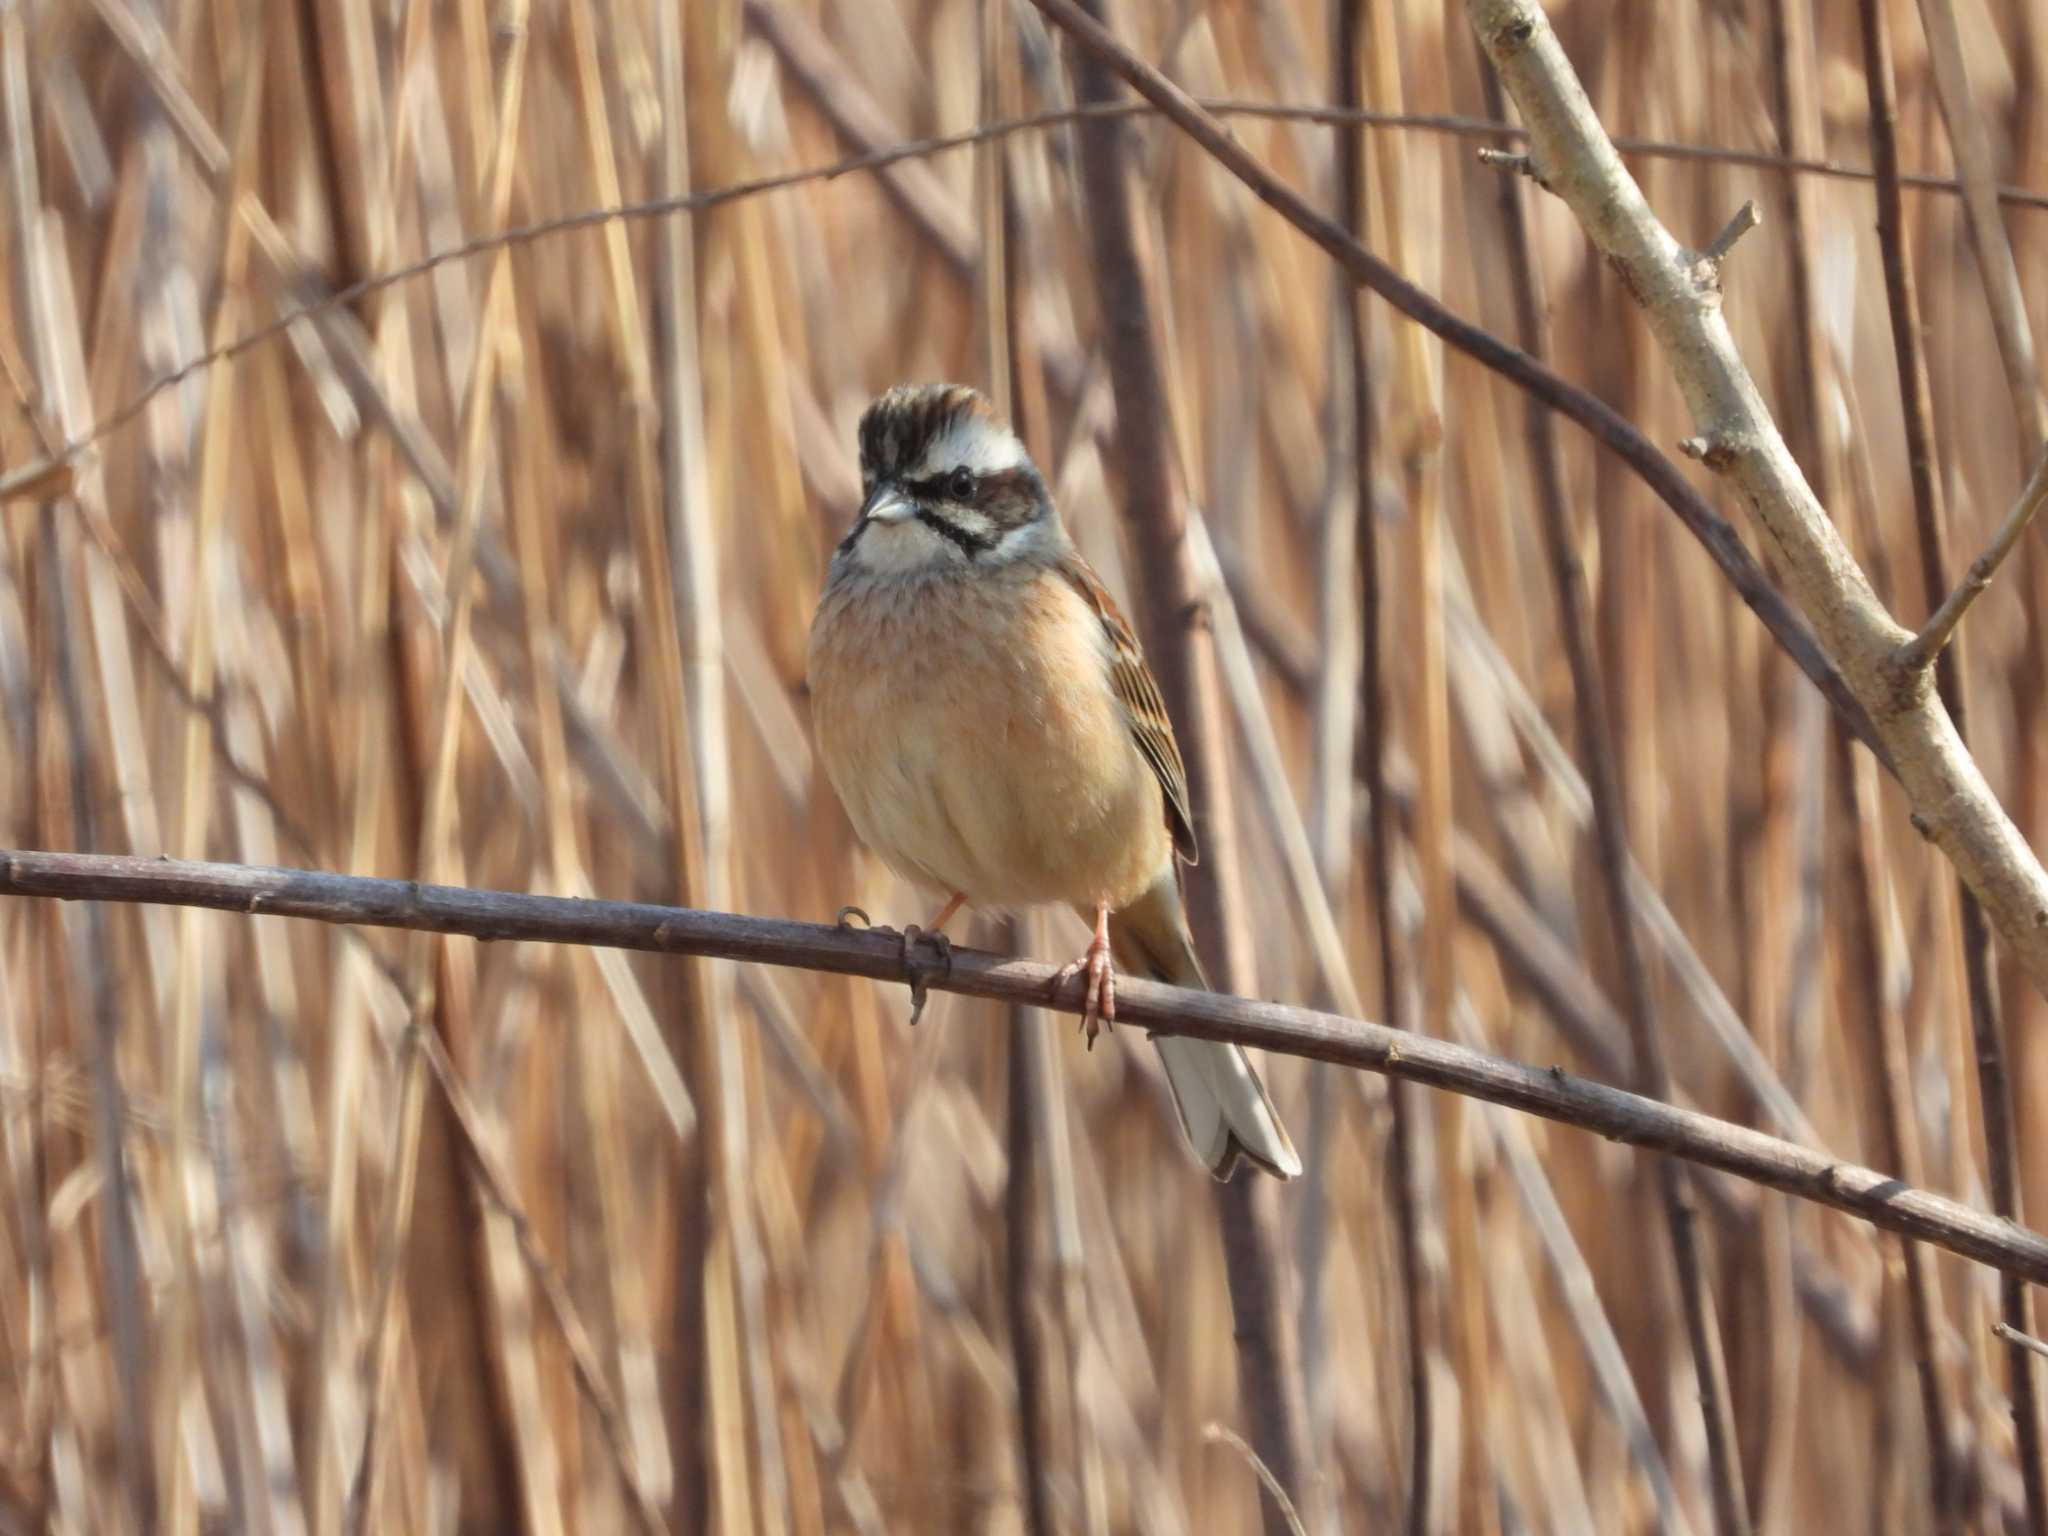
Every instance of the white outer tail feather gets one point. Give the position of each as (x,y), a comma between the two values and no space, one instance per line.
(1224,1108)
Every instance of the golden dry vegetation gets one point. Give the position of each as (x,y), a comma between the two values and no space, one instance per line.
(499,574)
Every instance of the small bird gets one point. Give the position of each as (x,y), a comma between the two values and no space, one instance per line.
(991,727)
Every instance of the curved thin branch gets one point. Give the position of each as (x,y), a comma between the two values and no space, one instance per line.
(1607,426)
(882,955)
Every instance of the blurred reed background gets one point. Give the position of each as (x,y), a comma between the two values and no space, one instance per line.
(501,574)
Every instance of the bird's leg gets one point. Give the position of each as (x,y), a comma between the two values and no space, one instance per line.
(1098,1010)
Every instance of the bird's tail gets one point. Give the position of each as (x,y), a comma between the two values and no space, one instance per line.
(1223,1106)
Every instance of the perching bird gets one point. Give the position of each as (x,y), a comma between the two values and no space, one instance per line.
(993,731)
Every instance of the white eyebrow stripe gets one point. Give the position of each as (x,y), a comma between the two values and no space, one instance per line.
(973,444)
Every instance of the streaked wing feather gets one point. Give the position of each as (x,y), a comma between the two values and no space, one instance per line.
(1144,709)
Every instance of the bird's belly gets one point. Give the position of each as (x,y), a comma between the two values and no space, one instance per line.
(982,752)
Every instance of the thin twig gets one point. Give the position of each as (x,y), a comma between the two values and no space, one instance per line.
(1216,1434)
(880,955)
(1741,223)
(1513,160)
(2023,1340)
(1606,424)
(1918,653)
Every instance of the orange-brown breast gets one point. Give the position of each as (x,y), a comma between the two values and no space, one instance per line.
(971,733)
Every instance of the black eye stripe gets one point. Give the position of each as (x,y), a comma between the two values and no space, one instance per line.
(966,540)
(941,487)
(970,543)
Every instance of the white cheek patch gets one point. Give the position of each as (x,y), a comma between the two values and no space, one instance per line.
(976,524)
(973,444)
(1040,536)
(892,548)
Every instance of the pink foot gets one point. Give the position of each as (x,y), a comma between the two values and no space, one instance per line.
(1098,1011)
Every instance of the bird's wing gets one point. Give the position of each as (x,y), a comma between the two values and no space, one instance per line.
(1138,692)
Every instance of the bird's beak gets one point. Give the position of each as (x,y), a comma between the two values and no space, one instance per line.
(887,504)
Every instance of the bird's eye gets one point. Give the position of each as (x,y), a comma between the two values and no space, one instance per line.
(960,485)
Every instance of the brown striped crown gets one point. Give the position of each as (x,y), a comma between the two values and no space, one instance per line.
(944,446)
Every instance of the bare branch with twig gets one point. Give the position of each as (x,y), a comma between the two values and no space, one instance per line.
(1680,293)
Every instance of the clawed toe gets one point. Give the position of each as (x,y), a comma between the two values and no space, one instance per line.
(918,969)
(921,971)
(1101,998)
(1098,998)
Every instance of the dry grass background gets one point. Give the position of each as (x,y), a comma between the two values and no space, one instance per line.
(745,1232)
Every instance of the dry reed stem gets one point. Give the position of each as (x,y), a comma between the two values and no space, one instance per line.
(1869,962)
(1371,753)
(1444,1453)
(1582,1298)
(1181,651)
(439,982)
(53,329)
(1996,268)
(1616,866)
(1731,1035)
(1903,306)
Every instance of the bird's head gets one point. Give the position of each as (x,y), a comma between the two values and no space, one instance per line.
(945,484)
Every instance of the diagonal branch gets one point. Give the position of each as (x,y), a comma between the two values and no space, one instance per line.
(1680,294)
(881,955)
(1607,426)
